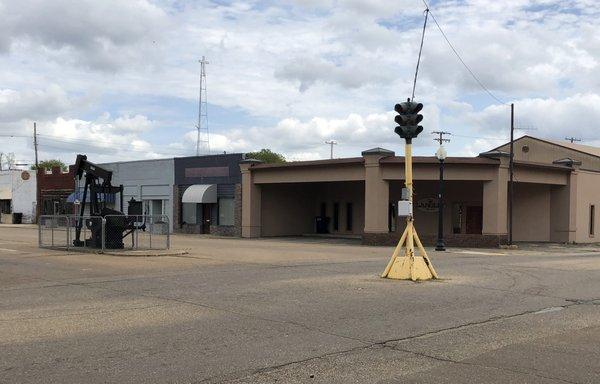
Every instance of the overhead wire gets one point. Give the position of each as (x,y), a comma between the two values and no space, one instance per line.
(420,51)
(479,82)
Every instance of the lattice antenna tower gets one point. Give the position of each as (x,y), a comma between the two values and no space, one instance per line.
(202,140)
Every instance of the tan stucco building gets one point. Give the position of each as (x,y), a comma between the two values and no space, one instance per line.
(556,196)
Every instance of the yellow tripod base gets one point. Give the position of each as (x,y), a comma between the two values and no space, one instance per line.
(410,266)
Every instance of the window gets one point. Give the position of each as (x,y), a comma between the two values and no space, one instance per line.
(188,214)
(349,216)
(457,217)
(226,211)
(336,216)
(157,207)
(592,214)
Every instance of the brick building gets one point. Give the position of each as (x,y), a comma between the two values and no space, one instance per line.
(53,189)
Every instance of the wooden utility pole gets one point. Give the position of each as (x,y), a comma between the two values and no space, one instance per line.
(510,171)
(441,134)
(35,146)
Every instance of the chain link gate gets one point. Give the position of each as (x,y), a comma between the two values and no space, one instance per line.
(127,232)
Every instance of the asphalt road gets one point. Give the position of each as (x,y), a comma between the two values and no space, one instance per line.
(296,311)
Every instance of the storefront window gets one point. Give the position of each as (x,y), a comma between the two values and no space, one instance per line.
(188,215)
(226,211)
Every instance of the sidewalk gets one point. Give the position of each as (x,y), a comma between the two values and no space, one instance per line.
(23,226)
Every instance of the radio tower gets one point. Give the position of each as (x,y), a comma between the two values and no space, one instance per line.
(202,140)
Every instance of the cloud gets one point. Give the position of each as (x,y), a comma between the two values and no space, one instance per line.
(33,104)
(297,72)
(576,115)
(98,34)
(309,71)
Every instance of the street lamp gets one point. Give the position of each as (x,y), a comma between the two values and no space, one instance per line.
(441,156)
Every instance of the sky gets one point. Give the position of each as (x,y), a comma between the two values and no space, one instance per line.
(119,80)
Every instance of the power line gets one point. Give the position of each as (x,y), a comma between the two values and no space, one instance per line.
(420,51)
(460,58)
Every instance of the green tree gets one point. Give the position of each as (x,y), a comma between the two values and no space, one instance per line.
(49,164)
(266,155)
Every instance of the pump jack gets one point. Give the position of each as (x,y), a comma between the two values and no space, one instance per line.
(118,225)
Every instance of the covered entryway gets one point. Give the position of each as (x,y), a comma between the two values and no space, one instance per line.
(294,209)
(198,207)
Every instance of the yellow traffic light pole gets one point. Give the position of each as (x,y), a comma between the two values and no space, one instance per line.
(411,266)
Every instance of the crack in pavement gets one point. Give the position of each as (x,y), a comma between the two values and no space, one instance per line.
(446,360)
(386,344)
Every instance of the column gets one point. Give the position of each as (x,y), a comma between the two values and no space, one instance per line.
(251,198)
(495,202)
(377,192)
(572,186)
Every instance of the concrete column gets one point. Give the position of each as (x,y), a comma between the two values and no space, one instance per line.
(377,192)
(572,186)
(495,202)
(251,199)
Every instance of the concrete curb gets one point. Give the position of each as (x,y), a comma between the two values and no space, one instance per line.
(145,253)
(130,253)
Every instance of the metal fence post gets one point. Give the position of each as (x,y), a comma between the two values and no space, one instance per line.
(137,239)
(40,232)
(168,232)
(103,233)
(68,229)
(151,229)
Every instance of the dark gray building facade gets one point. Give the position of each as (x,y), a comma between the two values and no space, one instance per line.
(207,194)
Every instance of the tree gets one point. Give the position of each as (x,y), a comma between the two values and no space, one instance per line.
(49,164)
(266,155)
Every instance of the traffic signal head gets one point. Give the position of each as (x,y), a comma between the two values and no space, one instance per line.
(408,119)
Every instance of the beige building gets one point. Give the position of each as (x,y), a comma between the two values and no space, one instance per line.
(556,196)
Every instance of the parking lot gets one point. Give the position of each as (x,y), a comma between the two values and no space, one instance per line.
(296,311)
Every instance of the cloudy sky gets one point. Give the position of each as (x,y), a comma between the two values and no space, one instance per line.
(119,79)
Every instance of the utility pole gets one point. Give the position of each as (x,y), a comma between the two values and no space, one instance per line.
(510,172)
(572,139)
(441,139)
(35,145)
(202,127)
(331,144)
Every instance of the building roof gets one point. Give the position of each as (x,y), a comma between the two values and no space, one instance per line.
(378,151)
(385,160)
(587,149)
(449,160)
(308,163)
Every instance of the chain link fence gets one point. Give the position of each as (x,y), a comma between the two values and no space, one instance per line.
(143,232)
(128,232)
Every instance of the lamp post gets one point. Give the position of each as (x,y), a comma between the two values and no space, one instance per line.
(441,156)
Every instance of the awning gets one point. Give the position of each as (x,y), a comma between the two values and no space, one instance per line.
(200,193)
(5,194)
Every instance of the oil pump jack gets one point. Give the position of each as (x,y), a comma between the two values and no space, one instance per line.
(98,185)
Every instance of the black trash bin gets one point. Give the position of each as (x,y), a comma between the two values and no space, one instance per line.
(17,218)
(322,224)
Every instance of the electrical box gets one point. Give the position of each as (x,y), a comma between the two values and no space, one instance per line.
(405,208)
(404,194)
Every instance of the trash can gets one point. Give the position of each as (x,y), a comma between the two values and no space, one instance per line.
(322,224)
(17,218)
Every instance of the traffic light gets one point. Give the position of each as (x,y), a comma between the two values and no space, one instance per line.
(408,119)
